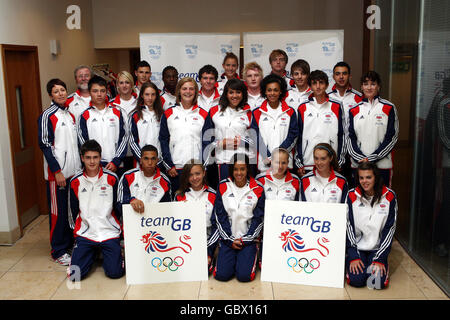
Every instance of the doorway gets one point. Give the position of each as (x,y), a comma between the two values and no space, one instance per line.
(23,105)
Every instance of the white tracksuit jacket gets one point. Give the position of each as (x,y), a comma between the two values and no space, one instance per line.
(312,190)
(57,138)
(319,123)
(373,132)
(288,190)
(94,207)
(180,135)
(371,228)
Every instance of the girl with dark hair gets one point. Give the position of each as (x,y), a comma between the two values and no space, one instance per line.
(194,187)
(324,183)
(372,215)
(239,214)
(226,129)
(274,122)
(230,66)
(373,128)
(57,138)
(144,121)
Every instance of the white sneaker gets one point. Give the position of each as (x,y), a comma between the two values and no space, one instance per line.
(64,260)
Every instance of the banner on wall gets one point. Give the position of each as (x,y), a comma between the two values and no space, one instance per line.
(304,243)
(187,52)
(322,48)
(167,243)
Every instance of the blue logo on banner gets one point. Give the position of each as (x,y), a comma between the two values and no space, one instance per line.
(224,48)
(291,49)
(328,48)
(256,49)
(154,51)
(191,50)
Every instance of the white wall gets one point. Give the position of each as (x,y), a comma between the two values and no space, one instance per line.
(36,22)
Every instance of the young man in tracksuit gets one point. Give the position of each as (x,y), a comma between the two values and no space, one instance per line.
(145,184)
(320,119)
(209,95)
(343,92)
(57,138)
(96,216)
(170,79)
(104,123)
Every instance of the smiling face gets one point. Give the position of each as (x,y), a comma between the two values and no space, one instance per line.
(367,181)
(273,92)
(370,89)
(234,98)
(279,164)
(82,78)
(300,78)
(230,66)
(149,162)
(322,162)
(240,173)
(143,75)
(342,77)
(187,93)
(91,161)
(196,177)
(59,94)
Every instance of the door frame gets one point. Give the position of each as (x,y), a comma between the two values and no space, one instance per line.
(42,203)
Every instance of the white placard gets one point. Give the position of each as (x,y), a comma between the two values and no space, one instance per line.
(187,52)
(165,244)
(322,48)
(304,243)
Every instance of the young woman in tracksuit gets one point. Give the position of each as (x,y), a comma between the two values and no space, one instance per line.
(126,102)
(372,216)
(194,187)
(226,129)
(320,119)
(57,138)
(324,183)
(180,134)
(144,121)
(373,128)
(278,182)
(239,214)
(274,122)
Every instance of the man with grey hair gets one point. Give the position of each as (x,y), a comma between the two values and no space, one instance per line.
(80,99)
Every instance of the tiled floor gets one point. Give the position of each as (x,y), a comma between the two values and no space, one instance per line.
(27,272)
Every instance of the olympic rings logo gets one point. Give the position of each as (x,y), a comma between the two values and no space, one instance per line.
(302,264)
(168,263)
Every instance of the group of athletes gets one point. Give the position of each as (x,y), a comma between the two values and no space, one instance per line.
(232,143)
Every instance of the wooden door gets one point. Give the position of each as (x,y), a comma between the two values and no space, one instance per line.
(23,99)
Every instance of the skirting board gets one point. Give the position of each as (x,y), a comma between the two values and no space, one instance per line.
(9,238)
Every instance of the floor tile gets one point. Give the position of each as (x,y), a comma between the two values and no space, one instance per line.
(400,286)
(96,286)
(37,259)
(284,291)
(11,255)
(30,285)
(235,290)
(164,291)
